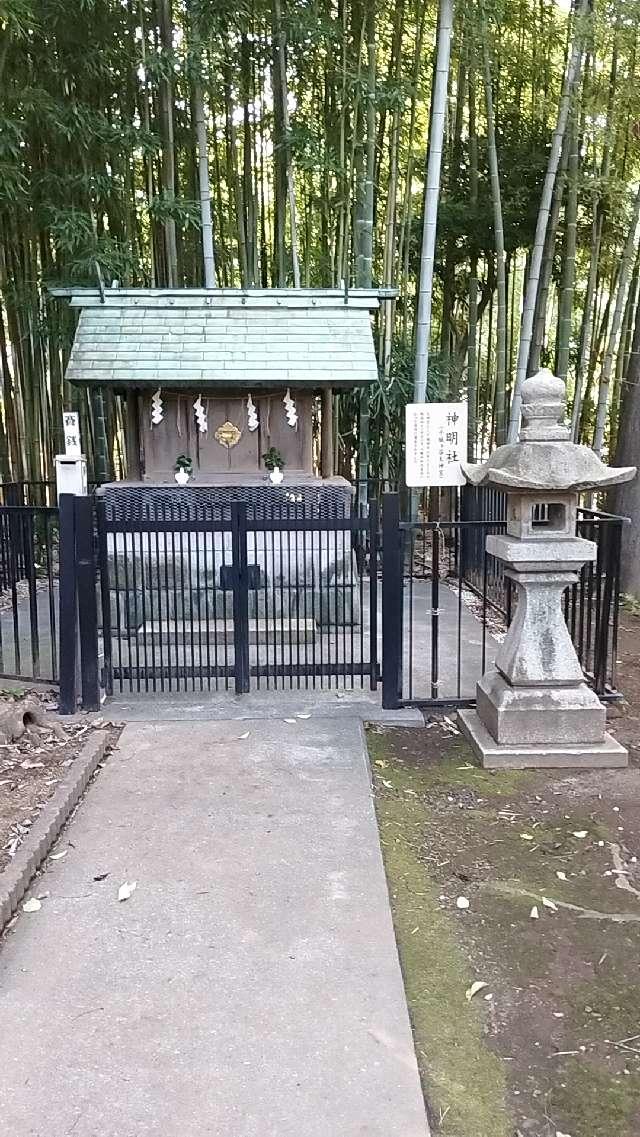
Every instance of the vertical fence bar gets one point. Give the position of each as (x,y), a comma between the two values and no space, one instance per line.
(461,542)
(615,568)
(68,607)
(373,600)
(14,578)
(608,562)
(240,596)
(435,612)
(51,597)
(392,602)
(105,594)
(87,607)
(29,546)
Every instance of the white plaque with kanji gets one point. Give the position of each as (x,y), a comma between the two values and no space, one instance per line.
(71,428)
(436,443)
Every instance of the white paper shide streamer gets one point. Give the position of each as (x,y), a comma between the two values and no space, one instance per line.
(290,409)
(157,412)
(252,414)
(201,415)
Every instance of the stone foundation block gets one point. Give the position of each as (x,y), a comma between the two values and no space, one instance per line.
(539,715)
(605,754)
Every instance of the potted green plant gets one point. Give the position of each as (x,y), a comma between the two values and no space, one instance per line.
(183,469)
(274,462)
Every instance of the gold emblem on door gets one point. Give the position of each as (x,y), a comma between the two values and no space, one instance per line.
(228,435)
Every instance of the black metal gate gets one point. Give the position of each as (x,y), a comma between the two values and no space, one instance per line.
(446,602)
(201,596)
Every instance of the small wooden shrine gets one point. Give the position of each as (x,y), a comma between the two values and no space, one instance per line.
(215,379)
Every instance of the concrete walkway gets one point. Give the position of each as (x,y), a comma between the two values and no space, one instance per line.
(251,986)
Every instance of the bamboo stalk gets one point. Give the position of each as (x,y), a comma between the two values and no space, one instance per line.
(498,236)
(570,80)
(616,322)
(431,195)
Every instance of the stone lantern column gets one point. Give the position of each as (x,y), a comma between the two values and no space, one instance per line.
(534,707)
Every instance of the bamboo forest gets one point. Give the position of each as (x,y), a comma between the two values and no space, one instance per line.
(314,143)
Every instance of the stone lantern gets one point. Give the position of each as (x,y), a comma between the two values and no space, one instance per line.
(534,707)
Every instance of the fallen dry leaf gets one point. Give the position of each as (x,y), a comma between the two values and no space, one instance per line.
(127,889)
(478,985)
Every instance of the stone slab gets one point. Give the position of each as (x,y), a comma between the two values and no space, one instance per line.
(217,706)
(251,985)
(594,755)
(542,554)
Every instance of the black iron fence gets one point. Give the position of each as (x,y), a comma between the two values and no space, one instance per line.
(447,604)
(29,545)
(195,596)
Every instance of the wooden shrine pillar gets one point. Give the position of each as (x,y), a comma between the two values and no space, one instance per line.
(132,435)
(326,434)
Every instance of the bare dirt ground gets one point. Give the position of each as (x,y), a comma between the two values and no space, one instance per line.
(624,718)
(31,768)
(528,883)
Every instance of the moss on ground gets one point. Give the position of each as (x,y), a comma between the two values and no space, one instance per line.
(540,1056)
(592,1102)
(463,1081)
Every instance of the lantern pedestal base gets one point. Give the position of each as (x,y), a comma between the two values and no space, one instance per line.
(606,753)
(539,715)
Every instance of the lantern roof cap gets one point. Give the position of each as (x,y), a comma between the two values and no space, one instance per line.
(545,458)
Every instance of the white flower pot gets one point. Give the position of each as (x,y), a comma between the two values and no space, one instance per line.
(182,477)
(276,476)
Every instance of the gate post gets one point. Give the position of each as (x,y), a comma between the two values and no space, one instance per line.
(392,601)
(78,608)
(87,604)
(240,596)
(68,664)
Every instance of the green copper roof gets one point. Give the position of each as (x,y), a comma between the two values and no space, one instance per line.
(224,338)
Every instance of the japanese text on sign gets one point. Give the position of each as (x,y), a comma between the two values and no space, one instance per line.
(436,443)
(71,428)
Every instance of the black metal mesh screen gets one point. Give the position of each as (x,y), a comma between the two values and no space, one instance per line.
(131,501)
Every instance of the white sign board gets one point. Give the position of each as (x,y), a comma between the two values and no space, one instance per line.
(436,443)
(71,428)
